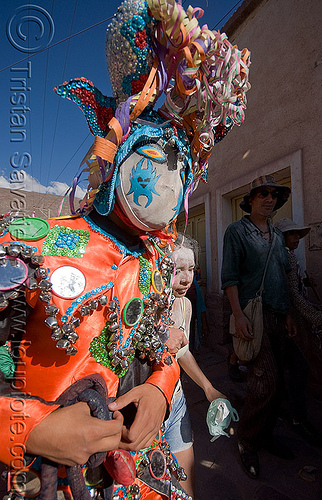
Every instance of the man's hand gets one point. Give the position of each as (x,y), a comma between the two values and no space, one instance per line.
(71,435)
(243,327)
(176,340)
(151,406)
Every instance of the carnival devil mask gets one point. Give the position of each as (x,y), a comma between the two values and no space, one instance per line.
(154,174)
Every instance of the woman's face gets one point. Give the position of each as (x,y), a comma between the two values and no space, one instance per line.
(184,268)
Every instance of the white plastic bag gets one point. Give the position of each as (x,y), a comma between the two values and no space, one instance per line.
(219,415)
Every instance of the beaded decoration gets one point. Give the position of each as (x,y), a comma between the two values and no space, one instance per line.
(148,336)
(144,460)
(152,129)
(97,108)
(145,275)
(84,298)
(5,221)
(121,247)
(108,349)
(128,38)
(63,333)
(64,241)
(7,366)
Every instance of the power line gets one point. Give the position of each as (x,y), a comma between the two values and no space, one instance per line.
(64,168)
(44,105)
(56,43)
(58,104)
(240,1)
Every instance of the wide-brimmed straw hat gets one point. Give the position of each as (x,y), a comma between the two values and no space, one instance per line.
(265,180)
(286,225)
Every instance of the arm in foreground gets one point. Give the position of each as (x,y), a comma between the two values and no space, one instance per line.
(71,435)
(190,366)
(303,306)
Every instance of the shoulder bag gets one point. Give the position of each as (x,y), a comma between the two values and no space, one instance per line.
(247,350)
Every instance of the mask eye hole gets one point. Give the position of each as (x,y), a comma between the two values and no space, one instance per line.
(152,152)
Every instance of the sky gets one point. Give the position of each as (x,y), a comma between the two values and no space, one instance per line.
(44,43)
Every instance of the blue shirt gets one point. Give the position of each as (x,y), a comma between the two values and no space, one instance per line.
(245,254)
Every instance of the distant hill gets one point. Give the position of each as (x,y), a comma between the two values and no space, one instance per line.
(40,204)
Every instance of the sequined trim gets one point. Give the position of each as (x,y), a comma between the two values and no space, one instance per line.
(85,297)
(63,241)
(98,349)
(122,248)
(145,275)
(21,243)
(129,36)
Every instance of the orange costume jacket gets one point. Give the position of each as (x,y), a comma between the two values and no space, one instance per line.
(104,267)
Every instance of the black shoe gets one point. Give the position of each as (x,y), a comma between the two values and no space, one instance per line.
(308,432)
(276,448)
(249,460)
(234,372)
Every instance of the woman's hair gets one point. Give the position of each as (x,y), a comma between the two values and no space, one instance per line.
(185,242)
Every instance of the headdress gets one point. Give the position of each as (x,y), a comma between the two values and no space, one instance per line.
(155,47)
(283,192)
(286,225)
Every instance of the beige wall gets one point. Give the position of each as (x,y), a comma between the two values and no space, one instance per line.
(281,133)
(282,130)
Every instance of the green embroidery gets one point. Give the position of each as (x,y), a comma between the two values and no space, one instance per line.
(99,349)
(145,275)
(63,241)
(7,365)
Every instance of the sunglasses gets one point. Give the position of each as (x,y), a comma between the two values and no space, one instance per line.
(264,193)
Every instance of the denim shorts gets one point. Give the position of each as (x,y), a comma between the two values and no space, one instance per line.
(178,431)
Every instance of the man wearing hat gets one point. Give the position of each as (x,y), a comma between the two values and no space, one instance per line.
(307,317)
(247,244)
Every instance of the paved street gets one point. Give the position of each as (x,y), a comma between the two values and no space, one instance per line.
(219,475)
